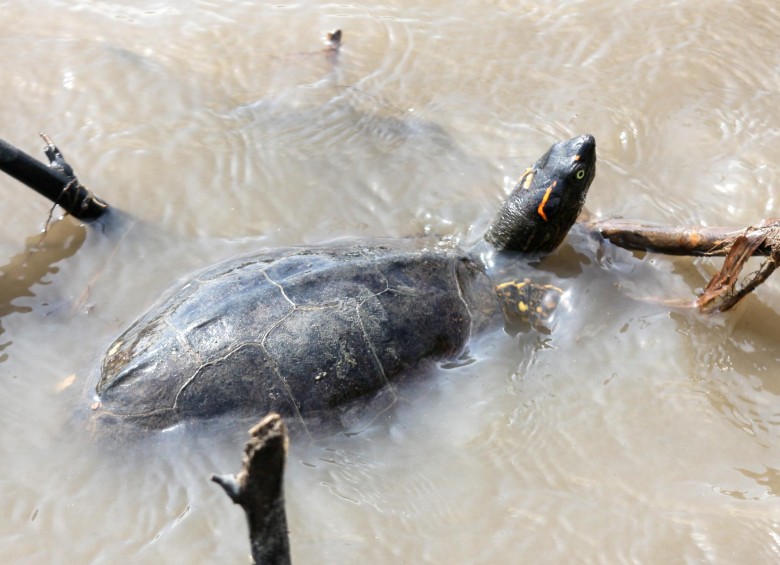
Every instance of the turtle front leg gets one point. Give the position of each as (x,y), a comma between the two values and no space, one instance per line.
(525,302)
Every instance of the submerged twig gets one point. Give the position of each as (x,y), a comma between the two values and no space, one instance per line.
(723,293)
(724,290)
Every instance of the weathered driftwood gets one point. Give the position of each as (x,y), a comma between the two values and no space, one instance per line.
(258,489)
(725,289)
(56,181)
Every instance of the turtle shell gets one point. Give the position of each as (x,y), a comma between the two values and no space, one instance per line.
(300,332)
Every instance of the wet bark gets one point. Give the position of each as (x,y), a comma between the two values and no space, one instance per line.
(677,240)
(258,489)
(725,290)
(56,181)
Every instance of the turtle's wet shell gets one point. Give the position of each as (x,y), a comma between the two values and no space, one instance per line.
(300,331)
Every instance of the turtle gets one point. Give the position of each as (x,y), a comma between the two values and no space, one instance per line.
(311,332)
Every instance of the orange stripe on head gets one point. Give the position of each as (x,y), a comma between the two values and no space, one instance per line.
(545,198)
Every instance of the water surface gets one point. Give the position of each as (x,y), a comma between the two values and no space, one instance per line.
(632,433)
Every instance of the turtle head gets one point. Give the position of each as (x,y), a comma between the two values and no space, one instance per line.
(547,199)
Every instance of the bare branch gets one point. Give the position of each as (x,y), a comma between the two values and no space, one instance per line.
(258,489)
(738,245)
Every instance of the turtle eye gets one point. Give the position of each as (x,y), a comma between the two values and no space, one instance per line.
(580,174)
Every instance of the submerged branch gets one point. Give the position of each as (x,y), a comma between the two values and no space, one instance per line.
(56,181)
(738,245)
(676,240)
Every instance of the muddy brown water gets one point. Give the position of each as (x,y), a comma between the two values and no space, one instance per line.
(634,433)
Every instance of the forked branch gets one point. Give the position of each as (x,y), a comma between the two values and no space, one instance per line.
(258,489)
(725,289)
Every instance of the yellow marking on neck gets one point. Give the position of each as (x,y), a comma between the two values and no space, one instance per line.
(527,178)
(545,198)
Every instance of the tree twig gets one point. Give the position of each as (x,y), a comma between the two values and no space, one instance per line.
(675,240)
(258,489)
(725,290)
(57,182)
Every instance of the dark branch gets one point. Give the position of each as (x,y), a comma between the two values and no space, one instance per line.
(55,181)
(258,489)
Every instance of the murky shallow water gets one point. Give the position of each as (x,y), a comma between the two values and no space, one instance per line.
(632,434)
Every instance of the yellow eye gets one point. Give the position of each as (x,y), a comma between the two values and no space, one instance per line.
(580,174)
